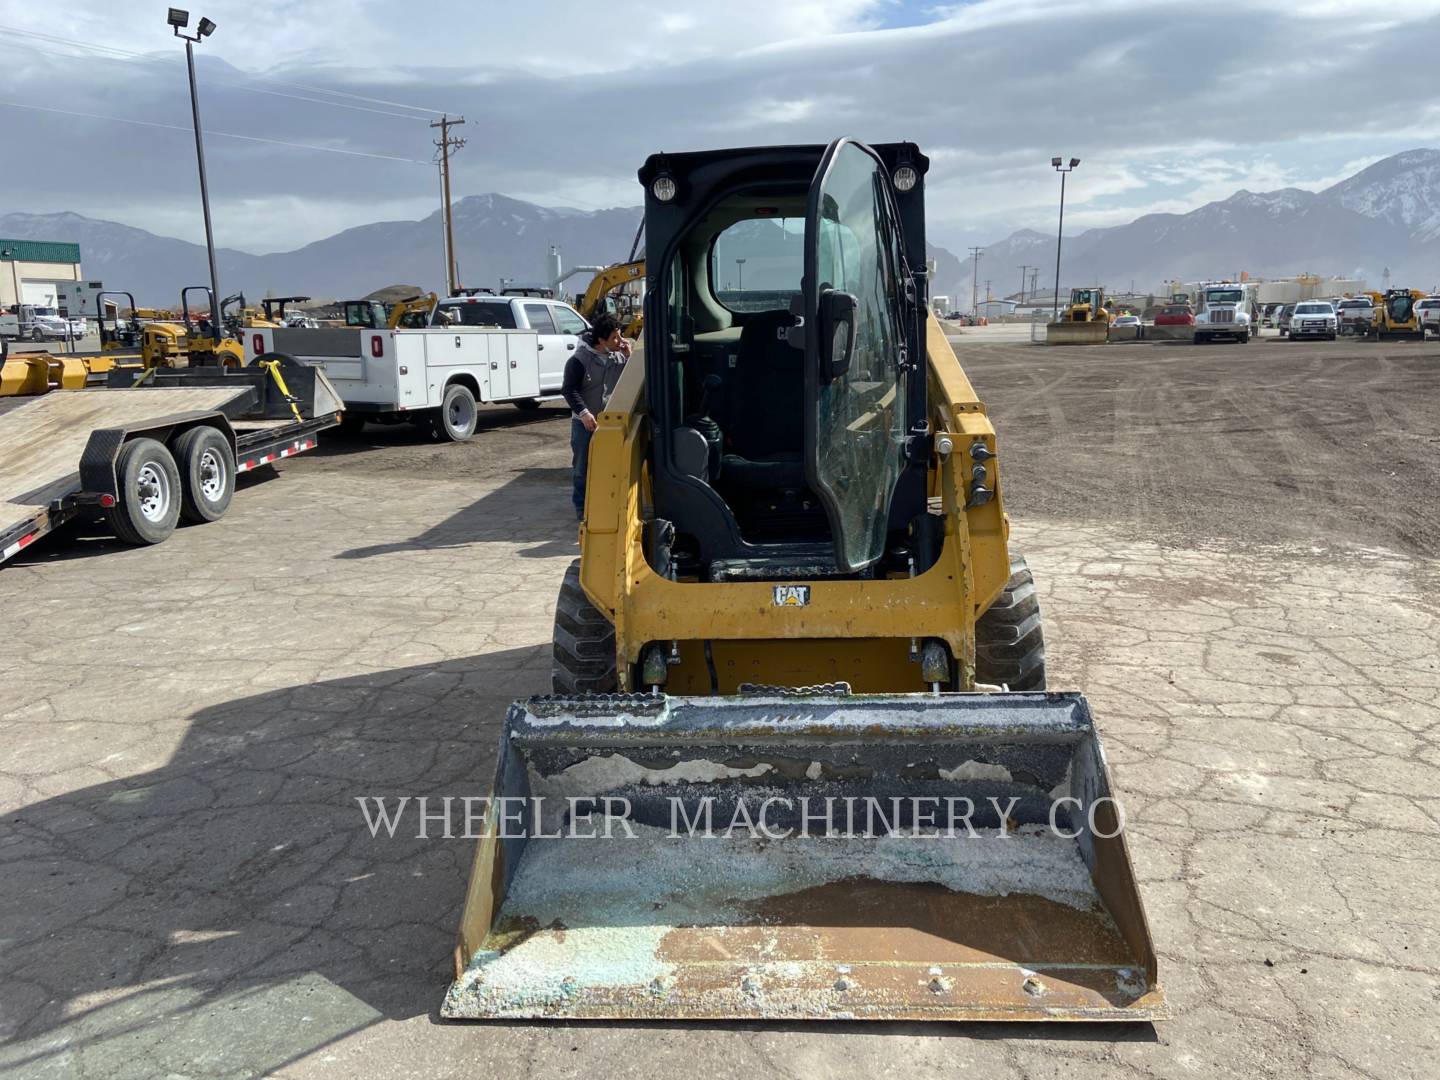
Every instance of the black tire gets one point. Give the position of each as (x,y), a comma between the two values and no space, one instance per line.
(455,419)
(526,404)
(1009,638)
(207,474)
(36,334)
(149,493)
(352,424)
(583,642)
(1332,337)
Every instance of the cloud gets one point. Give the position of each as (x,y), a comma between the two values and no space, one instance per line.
(563,101)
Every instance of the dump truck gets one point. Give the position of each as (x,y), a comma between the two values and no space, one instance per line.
(795,645)
(152,448)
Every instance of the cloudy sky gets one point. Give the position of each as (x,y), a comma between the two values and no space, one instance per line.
(1168,108)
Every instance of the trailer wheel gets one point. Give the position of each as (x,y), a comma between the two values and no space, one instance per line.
(1009,637)
(351,424)
(207,472)
(583,642)
(456,417)
(526,404)
(149,498)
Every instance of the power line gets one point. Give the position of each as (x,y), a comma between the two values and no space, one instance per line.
(221,81)
(221,134)
(96,47)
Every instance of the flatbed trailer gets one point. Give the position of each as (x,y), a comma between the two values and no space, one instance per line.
(147,456)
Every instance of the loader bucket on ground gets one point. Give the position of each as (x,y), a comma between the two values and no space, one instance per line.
(1096,332)
(803,857)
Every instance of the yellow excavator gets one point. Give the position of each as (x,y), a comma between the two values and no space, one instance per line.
(625,306)
(1396,315)
(800,760)
(409,313)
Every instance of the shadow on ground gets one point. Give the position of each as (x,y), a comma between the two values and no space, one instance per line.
(234,895)
(524,508)
(88,535)
(375,436)
(229,911)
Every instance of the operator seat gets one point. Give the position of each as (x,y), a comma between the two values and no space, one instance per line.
(765,435)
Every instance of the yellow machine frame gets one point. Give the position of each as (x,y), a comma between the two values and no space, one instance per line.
(846,620)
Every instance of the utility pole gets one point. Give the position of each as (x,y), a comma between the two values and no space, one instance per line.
(975,254)
(446,143)
(1023,271)
(1034,280)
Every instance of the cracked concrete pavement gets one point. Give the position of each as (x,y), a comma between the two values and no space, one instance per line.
(187,888)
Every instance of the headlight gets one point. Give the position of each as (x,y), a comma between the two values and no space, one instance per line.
(663,188)
(905,178)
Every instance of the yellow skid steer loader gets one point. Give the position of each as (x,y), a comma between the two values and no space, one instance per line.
(799,762)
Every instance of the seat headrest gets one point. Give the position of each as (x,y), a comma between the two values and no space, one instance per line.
(766,327)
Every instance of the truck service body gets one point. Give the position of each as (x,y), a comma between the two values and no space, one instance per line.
(483,349)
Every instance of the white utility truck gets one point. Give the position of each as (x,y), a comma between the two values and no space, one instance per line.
(477,349)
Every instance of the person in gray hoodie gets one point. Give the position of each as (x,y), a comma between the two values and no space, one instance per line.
(590,375)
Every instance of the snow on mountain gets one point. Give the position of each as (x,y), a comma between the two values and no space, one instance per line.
(1403,190)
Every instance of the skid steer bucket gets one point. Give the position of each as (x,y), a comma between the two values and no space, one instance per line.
(1065,332)
(952,856)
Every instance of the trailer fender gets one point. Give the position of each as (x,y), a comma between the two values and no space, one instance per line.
(98,477)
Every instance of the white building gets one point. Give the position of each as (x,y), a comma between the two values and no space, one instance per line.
(30,270)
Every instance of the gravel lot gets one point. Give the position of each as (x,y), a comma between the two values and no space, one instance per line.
(1235,549)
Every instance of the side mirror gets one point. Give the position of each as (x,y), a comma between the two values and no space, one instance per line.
(837,333)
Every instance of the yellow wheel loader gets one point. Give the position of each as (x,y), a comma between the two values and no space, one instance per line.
(1396,315)
(800,761)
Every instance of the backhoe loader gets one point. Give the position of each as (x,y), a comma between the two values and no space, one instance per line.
(1396,315)
(795,644)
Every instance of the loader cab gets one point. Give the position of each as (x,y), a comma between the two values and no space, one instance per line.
(784,353)
(367,314)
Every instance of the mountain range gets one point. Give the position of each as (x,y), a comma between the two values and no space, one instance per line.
(495,236)
(1387,216)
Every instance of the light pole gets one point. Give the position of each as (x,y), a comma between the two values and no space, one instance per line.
(179,20)
(1062,169)
(740,275)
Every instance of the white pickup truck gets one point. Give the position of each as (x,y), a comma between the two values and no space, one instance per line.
(1227,309)
(1429,311)
(477,349)
(1313,319)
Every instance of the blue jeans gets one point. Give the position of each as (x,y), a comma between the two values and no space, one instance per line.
(579,462)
